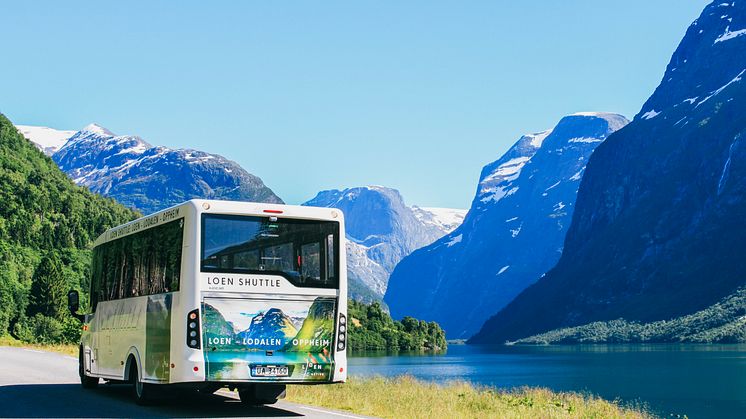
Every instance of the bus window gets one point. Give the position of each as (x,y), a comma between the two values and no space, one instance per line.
(225,261)
(330,271)
(278,258)
(310,257)
(302,251)
(246,260)
(144,263)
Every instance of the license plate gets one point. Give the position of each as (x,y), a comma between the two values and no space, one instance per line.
(269,371)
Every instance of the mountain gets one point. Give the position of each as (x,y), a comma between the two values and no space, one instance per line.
(151,178)
(214,324)
(44,217)
(315,335)
(272,325)
(658,230)
(381,230)
(512,234)
(48,140)
(444,219)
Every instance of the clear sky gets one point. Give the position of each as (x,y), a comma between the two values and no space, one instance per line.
(313,95)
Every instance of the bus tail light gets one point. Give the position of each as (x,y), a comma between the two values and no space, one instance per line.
(192,338)
(342,333)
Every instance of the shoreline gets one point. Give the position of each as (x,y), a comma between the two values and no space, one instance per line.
(406,396)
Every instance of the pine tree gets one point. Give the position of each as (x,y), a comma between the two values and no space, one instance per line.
(49,288)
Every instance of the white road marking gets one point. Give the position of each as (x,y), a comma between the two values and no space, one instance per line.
(328,412)
(234,395)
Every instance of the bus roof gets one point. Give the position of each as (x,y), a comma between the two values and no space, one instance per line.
(215,206)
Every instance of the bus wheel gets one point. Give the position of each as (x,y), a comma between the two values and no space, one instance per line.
(85,381)
(257,395)
(144,393)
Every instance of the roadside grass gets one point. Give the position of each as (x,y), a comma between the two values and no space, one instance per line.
(407,397)
(65,349)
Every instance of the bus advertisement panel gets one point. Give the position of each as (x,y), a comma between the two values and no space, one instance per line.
(268,340)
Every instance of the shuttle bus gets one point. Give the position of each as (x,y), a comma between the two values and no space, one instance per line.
(213,294)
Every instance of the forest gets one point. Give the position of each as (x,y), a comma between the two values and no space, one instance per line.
(724,322)
(47,225)
(373,329)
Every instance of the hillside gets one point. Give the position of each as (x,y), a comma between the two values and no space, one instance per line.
(46,226)
(658,227)
(372,329)
(512,234)
(724,322)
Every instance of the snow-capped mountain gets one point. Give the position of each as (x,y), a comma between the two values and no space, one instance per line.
(149,178)
(658,231)
(444,219)
(48,140)
(512,234)
(274,326)
(381,229)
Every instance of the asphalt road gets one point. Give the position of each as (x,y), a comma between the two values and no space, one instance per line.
(36,384)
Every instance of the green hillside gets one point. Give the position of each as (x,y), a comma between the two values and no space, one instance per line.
(372,329)
(47,224)
(724,322)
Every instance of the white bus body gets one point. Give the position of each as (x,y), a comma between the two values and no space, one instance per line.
(209,294)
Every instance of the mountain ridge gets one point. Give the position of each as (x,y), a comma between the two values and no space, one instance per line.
(656,232)
(149,178)
(512,234)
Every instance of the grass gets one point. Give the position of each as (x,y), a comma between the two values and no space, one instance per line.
(71,350)
(407,397)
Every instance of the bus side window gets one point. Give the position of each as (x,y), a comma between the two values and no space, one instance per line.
(96,278)
(330,274)
(144,263)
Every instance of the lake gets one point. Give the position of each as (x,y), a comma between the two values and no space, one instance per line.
(700,381)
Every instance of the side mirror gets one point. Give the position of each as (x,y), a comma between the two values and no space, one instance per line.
(73,304)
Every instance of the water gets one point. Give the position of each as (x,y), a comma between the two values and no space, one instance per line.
(700,381)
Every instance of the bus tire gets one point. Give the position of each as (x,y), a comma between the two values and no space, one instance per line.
(144,393)
(85,381)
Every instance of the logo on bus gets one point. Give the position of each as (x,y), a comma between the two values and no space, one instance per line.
(220,282)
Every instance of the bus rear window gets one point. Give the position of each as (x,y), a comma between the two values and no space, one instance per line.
(303,251)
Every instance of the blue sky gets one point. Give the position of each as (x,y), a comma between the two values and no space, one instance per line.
(416,95)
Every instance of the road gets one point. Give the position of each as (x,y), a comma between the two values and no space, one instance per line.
(37,384)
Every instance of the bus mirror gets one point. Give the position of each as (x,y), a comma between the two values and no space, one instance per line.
(73,304)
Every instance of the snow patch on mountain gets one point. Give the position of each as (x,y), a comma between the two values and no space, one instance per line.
(98,130)
(455,240)
(720,89)
(729,34)
(445,219)
(538,138)
(48,140)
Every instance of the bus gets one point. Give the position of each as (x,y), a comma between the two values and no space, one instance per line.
(217,294)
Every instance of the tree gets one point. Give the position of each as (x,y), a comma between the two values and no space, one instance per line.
(49,288)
